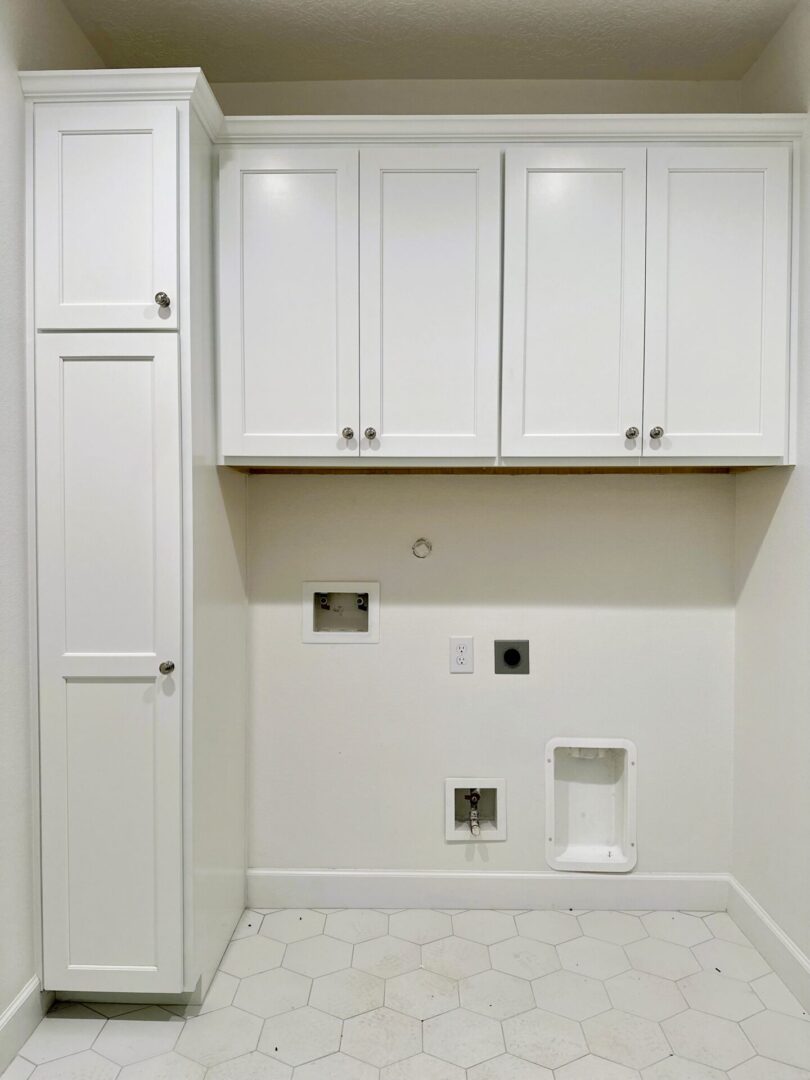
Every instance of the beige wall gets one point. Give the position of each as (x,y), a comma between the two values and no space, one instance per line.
(477,96)
(622,584)
(33,33)
(772,791)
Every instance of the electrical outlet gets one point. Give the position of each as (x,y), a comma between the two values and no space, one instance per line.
(461,655)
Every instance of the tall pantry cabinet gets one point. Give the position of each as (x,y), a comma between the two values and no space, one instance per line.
(140,574)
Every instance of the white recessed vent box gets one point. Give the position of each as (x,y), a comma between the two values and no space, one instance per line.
(474,808)
(591,805)
(341,612)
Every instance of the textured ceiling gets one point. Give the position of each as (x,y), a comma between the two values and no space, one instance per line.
(257,40)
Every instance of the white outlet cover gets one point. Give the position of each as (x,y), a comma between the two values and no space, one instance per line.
(311,636)
(462,656)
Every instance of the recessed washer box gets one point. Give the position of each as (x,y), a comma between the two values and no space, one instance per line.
(341,612)
(491,807)
(591,805)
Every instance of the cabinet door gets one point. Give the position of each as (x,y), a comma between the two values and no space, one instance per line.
(105,215)
(573,339)
(109,594)
(430,294)
(718,301)
(289,360)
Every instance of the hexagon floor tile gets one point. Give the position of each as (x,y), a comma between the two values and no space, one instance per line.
(169,1066)
(219,1036)
(318,956)
(347,993)
(572,995)
(381,1037)
(645,995)
(253,1066)
(553,927)
(455,958)
(678,1068)
(709,1040)
(422,1067)
(595,1068)
(301,1035)
(494,993)
(387,957)
(544,1038)
(524,957)
(418,994)
(507,1067)
(336,1067)
(628,1040)
(422,994)
(463,1038)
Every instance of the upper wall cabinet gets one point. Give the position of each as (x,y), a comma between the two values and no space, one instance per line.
(429,301)
(105,223)
(394,357)
(718,311)
(288,302)
(645,314)
(573,335)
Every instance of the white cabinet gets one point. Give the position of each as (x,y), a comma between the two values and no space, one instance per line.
(701,373)
(646,288)
(138,539)
(289,302)
(110,612)
(718,312)
(397,356)
(429,301)
(105,220)
(573,328)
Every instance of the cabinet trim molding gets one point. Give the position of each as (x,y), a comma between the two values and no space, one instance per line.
(516,128)
(190,84)
(136,84)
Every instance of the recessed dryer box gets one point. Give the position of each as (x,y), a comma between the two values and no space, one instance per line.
(341,612)
(591,805)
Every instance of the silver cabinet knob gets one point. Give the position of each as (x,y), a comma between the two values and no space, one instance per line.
(162,299)
(656,433)
(167,667)
(348,433)
(631,433)
(370,433)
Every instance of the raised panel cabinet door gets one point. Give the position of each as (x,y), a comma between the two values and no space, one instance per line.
(289,360)
(573,334)
(718,301)
(109,595)
(105,216)
(429,301)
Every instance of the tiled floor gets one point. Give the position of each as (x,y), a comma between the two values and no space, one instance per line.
(453,995)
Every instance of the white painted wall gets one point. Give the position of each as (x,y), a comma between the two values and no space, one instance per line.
(478,96)
(33,33)
(771,789)
(623,585)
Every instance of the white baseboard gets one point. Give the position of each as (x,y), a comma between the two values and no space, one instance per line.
(19,1019)
(428,888)
(782,953)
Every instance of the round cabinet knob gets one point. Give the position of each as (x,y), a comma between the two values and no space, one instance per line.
(167,667)
(162,299)
(348,433)
(370,433)
(656,433)
(631,433)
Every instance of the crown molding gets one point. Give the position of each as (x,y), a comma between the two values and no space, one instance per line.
(190,84)
(513,128)
(134,84)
